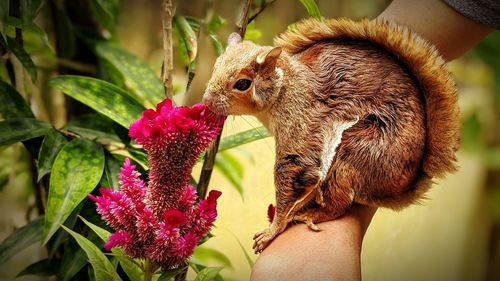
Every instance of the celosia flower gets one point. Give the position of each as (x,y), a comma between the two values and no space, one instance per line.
(161,221)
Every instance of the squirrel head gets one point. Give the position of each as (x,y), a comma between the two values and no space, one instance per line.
(245,78)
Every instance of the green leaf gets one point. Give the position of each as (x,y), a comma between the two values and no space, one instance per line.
(216,44)
(204,254)
(247,256)
(208,274)
(75,173)
(232,169)
(52,144)
(95,127)
(12,104)
(252,33)
(187,38)
(21,239)
(130,267)
(102,96)
(215,23)
(21,129)
(101,232)
(311,8)
(23,57)
(74,259)
(103,269)
(104,11)
(243,138)
(110,176)
(46,267)
(139,77)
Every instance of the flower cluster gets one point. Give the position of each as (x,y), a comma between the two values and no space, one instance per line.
(161,221)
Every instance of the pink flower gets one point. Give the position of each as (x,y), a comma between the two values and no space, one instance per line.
(161,221)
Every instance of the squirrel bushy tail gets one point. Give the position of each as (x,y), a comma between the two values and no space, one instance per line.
(425,64)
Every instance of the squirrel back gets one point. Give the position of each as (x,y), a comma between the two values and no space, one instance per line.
(419,57)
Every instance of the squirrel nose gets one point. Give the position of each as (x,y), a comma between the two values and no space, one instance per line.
(207,98)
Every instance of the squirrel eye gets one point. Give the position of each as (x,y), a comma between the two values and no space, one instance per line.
(242,84)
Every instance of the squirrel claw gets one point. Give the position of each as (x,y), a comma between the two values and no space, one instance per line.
(262,239)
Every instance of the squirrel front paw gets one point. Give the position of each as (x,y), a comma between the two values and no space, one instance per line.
(263,238)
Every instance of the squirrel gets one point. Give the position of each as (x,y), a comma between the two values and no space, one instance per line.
(362,112)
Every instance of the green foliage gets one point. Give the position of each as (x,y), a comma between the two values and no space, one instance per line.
(22,129)
(23,57)
(87,152)
(311,8)
(52,144)
(21,239)
(103,269)
(76,171)
(101,96)
(46,267)
(138,76)
(12,104)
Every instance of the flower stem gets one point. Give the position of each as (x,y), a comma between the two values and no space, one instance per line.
(149,269)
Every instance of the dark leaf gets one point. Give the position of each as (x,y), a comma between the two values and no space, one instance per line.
(12,104)
(23,57)
(52,144)
(75,173)
(111,170)
(95,127)
(22,129)
(21,239)
(30,9)
(44,267)
(102,96)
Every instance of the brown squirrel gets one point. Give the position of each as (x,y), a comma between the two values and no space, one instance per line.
(362,112)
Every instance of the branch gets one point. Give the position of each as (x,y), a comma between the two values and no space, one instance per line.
(261,9)
(168,65)
(208,163)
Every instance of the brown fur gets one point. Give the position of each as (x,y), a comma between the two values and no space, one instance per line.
(362,112)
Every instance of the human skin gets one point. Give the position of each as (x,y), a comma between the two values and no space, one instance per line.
(334,252)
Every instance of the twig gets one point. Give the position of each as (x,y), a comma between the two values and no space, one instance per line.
(168,65)
(260,10)
(208,163)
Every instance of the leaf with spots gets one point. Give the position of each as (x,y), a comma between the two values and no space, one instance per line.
(103,268)
(21,129)
(138,76)
(102,96)
(76,171)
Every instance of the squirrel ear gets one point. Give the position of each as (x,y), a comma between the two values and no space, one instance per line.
(233,39)
(267,60)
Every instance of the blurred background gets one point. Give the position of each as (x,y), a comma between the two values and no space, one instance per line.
(454,235)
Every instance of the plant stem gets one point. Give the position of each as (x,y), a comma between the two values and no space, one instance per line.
(149,269)
(208,163)
(168,65)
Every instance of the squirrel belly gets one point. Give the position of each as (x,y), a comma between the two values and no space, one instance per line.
(362,112)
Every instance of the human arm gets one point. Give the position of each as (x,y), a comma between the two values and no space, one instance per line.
(330,254)
(452,33)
